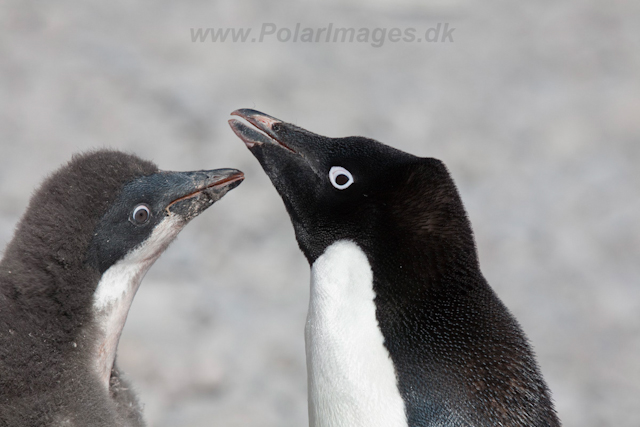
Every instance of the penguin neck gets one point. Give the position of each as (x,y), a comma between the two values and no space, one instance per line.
(351,378)
(114,296)
(49,292)
(116,289)
(422,261)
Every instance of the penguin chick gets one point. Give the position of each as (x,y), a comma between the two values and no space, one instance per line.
(402,330)
(68,277)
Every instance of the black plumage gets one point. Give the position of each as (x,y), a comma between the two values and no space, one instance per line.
(460,357)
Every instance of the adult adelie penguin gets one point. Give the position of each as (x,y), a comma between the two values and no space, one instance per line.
(68,278)
(402,329)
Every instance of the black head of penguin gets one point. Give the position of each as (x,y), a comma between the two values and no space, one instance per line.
(460,357)
(85,218)
(145,202)
(357,188)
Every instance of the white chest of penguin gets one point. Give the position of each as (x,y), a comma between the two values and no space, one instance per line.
(351,378)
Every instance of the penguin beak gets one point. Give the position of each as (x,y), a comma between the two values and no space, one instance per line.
(263,132)
(193,192)
(292,157)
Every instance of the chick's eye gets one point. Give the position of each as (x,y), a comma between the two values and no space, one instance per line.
(140,215)
(340,177)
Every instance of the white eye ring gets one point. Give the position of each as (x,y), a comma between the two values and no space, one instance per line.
(140,215)
(338,171)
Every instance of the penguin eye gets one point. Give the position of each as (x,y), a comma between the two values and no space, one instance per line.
(140,215)
(340,177)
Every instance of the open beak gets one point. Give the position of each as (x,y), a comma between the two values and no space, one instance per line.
(264,130)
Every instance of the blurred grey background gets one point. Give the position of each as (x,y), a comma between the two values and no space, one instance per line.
(534,107)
